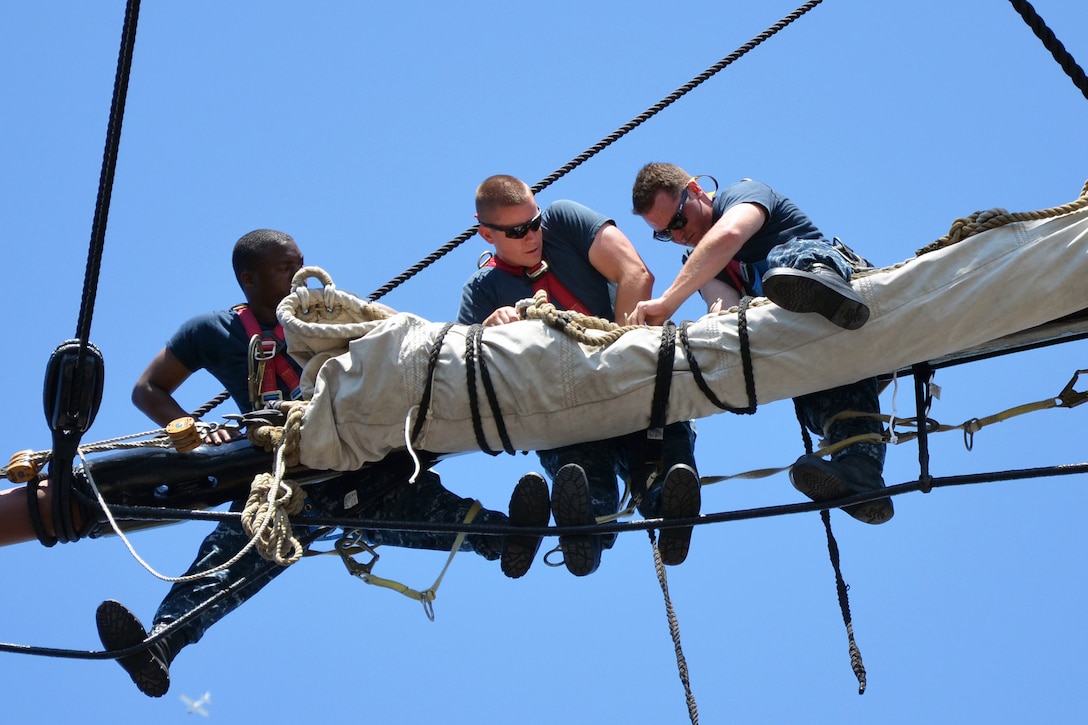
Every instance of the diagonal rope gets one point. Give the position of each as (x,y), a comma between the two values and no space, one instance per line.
(1051,43)
(602,144)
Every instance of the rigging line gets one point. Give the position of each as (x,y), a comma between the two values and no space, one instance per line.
(1051,43)
(155,513)
(602,144)
(109,166)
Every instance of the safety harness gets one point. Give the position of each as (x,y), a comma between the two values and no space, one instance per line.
(542,278)
(270,372)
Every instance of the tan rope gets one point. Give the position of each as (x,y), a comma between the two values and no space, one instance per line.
(273,499)
(265,517)
(574,324)
(982,221)
(273,438)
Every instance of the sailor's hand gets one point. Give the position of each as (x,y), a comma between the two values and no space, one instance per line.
(216,435)
(501,316)
(650,312)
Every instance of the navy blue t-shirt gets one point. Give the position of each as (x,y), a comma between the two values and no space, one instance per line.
(784,220)
(217,342)
(569,230)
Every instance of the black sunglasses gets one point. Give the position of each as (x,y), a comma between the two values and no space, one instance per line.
(518,231)
(678,221)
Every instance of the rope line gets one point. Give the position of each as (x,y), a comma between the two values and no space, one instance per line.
(109,166)
(674,631)
(603,143)
(1051,43)
(985,220)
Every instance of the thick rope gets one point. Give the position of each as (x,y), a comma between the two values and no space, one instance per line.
(272,499)
(603,143)
(265,518)
(109,166)
(674,631)
(985,220)
(210,405)
(1051,43)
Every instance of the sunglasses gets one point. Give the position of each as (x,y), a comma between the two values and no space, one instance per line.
(518,231)
(678,221)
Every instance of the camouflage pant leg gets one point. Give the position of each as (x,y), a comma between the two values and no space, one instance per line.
(220,546)
(677,446)
(803,253)
(600,461)
(382,492)
(343,496)
(427,501)
(817,408)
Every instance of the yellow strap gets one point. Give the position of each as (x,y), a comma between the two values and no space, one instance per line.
(425,597)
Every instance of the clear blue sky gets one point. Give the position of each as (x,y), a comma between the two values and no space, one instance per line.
(362,129)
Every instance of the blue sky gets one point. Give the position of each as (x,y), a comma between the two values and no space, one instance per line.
(362,129)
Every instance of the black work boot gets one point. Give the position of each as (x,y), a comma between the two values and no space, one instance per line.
(820,289)
(680,499)
(529,506)
(118,628)
(822,480)
(571,506)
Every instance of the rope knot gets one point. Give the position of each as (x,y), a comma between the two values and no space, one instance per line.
(265,518)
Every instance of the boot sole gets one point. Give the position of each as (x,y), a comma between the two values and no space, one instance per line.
(571,507)
(119,629)
(529,506)
(823,486)
(681,498)
(796,291)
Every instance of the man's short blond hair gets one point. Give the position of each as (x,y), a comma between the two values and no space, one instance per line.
(498,191)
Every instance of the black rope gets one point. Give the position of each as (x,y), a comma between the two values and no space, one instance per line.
(210,405)
(602,144)
(745,361)
(844,603)
(492,398)
(1051,43)
(474,355)
(109,165)
(432,365)
(674,632)
(75,372)
(840,585)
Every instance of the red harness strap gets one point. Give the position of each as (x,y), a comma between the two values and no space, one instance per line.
(277,369)
(543,279)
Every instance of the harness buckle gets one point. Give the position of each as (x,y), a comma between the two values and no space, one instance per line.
(539,271)
(266,350)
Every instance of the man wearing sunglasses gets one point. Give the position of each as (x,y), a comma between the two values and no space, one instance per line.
(750,240)
(586,264)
